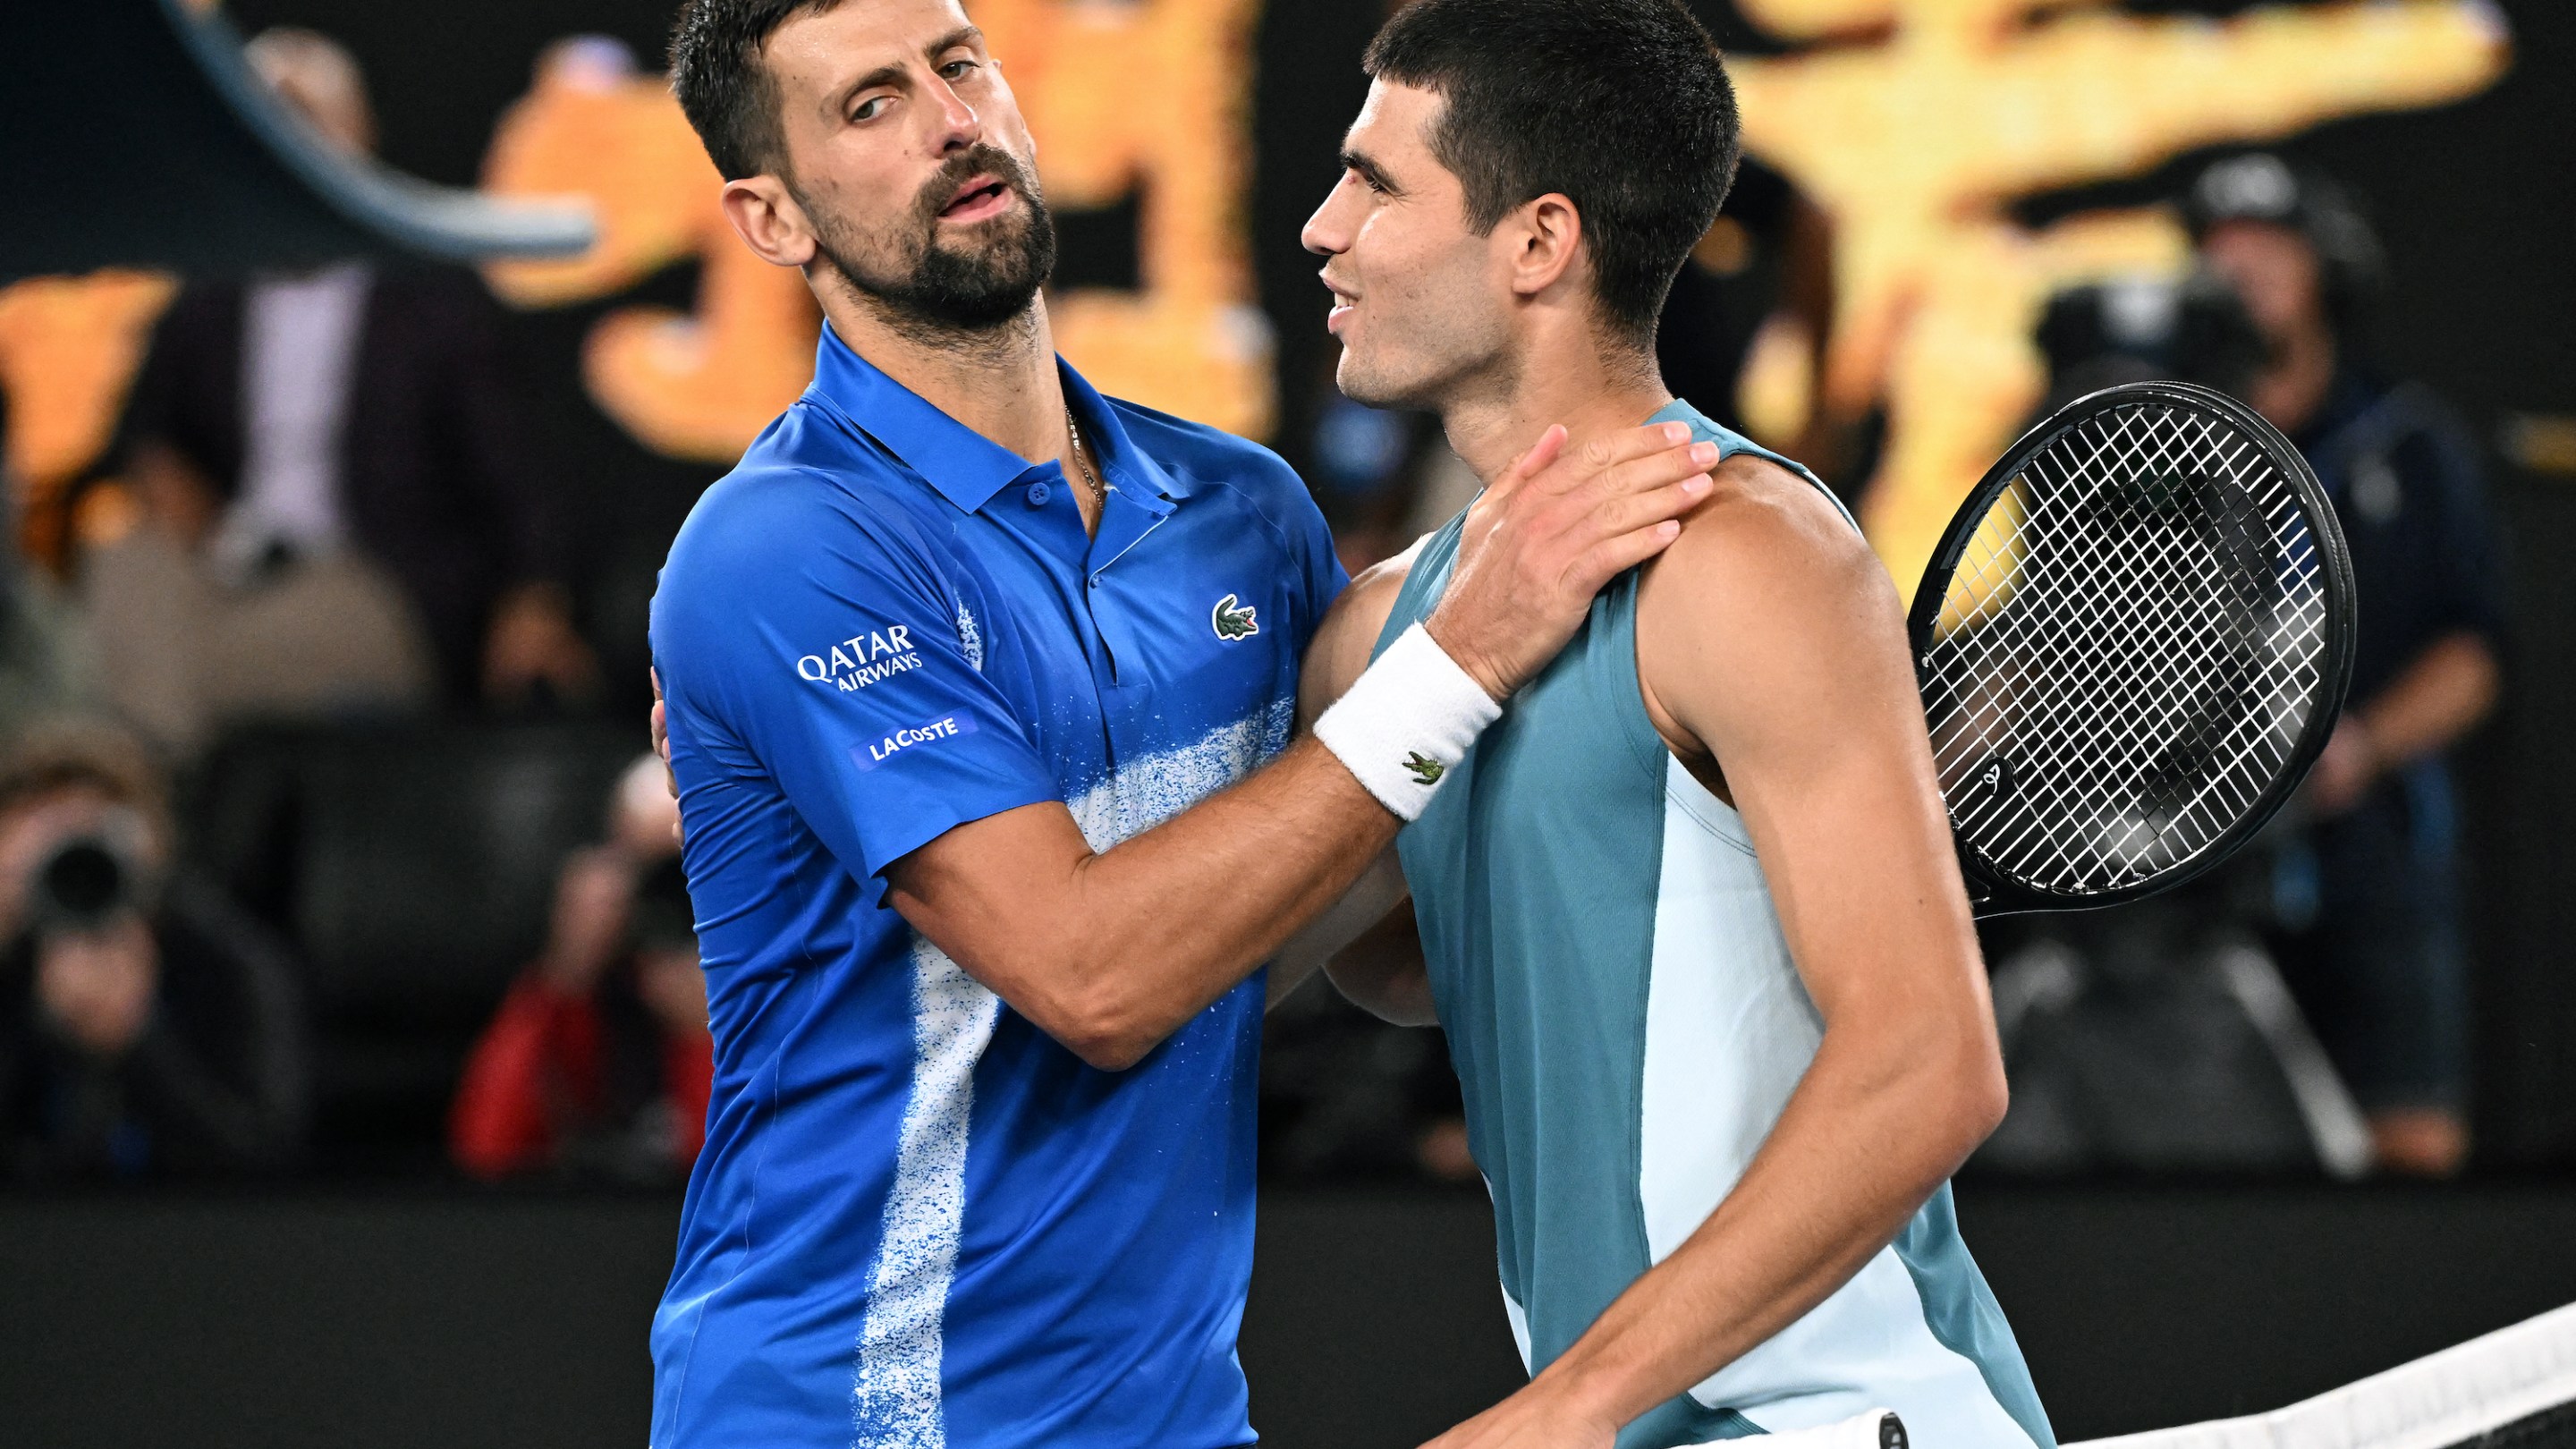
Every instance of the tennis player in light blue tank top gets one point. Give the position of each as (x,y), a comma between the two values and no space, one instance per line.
(1689,912)
(1627,1024)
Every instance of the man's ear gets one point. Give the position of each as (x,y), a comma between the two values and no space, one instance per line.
(1545,235)
(765,215)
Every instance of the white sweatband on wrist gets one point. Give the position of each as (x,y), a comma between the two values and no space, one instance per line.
(1407,722)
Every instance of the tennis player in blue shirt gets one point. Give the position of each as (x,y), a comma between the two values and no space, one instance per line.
(953,663)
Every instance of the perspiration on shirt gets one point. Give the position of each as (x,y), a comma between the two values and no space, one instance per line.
(919,1221)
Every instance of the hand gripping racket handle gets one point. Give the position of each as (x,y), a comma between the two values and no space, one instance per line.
(1876,1429)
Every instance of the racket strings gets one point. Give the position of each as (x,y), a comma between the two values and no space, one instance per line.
(2123,684)
(2157,707)
(2135,637)
(2169,616)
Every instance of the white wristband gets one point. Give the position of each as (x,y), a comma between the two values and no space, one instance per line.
(1407,721)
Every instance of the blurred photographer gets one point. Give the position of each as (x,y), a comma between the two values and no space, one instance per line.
(2383,975)
(599,1061)
(147,1028)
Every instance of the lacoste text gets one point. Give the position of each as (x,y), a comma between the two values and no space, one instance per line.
(911,737)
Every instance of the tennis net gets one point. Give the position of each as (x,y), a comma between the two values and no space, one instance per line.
(2513,1389)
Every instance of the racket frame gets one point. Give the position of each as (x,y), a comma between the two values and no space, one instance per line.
(1990,892)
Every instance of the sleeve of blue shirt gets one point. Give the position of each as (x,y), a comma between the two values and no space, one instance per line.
(1325,576)
(818,639)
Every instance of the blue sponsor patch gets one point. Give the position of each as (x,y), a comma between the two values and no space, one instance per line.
(911,737)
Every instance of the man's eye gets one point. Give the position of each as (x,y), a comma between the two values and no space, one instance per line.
(869,109)
(956,70)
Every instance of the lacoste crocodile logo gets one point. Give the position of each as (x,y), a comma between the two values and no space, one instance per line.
(1233,621)
(1424,768)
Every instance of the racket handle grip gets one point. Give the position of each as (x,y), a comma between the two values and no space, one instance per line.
(1876,1429)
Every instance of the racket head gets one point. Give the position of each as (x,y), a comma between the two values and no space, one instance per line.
(2133,640)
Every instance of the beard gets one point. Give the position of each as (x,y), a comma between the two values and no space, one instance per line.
(935,289)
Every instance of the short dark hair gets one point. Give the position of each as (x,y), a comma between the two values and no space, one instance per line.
(1621,105)
(723,86)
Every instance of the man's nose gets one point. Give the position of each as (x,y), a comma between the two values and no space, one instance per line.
(1324,235)
(960,126)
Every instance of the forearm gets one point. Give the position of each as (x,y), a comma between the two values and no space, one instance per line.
(1109,952)
(2440,697)
(1344,927)
(1384,973)
(1872,1131)
(1123,947)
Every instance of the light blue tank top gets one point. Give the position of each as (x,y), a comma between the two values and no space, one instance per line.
(1627,1024)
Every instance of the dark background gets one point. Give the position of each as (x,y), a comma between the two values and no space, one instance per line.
(2475,202)
(494,1322)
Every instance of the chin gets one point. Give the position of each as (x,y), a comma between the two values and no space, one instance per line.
(1371,387)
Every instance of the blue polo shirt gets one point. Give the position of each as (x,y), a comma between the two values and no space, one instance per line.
(918,1221)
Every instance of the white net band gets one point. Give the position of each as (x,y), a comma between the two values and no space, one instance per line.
(2513,1389)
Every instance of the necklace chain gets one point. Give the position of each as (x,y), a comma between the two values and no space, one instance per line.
(1099,490)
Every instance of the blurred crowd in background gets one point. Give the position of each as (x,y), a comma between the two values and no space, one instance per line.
(325,846)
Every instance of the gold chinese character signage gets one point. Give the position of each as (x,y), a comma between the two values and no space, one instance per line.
(700,385)
(1913,138)
(1914,144)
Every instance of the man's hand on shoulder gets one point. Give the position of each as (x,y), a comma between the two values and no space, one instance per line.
(1110,952)
(1546,535)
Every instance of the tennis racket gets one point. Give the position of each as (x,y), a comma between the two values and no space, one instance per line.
(2132,643)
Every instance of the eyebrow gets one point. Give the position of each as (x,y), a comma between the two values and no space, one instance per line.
(888,74)
(962,35)
(1367,167)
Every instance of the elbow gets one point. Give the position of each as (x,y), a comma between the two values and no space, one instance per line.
(1399,999)
(1970,1089)
(1951,1084)
(1090,1008)
(1110,1049)
(1983,1098)
(1107,1031)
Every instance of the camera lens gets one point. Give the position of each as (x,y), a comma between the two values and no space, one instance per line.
(84,884)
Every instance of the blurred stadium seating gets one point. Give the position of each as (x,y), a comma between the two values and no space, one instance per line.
(412,867)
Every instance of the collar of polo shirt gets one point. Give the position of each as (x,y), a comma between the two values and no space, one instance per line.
(966,467)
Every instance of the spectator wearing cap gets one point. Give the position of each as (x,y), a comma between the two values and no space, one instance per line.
(2380,968)
(340,514)
(148,1029)
(599,1062)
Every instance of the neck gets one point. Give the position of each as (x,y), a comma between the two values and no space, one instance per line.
(1593,391)
(1002,383)
(2290,394)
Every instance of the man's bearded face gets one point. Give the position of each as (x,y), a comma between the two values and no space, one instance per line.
(934,266)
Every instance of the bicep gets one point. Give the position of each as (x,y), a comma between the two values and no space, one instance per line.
(983,890)
(1787,659)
